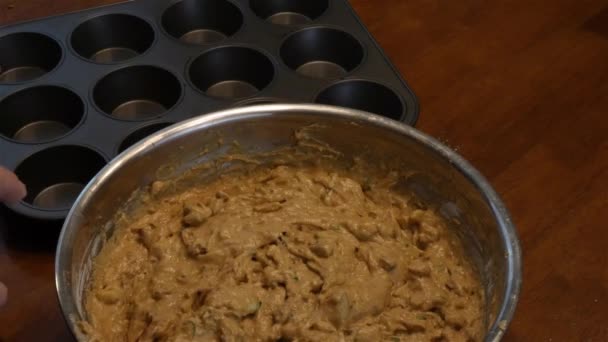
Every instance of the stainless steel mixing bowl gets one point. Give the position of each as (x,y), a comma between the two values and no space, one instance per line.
(442,179)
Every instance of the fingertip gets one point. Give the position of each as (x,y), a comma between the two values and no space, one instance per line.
(12,190)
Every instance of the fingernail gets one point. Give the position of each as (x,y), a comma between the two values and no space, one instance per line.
(21,190)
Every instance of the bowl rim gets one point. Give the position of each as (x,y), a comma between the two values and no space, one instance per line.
(506,228)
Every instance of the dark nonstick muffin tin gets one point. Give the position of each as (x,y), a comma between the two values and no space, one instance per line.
(78,89)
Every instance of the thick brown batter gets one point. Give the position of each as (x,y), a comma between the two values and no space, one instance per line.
(284,254)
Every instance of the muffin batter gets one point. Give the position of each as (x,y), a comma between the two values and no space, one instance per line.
(284,253)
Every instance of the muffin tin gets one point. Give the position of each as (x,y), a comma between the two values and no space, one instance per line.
(78,89)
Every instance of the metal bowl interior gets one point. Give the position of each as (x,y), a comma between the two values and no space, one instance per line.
(444,180)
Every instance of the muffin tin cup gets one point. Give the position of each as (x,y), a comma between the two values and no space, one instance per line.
(289,12)
(112,38)
(200,22)
(102,79)
(363,95)
(322,52)
(140,134)
(27,56)
(40,114)
(138,92)
(231,72)
(54,178)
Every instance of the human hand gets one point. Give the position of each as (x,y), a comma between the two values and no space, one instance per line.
(11,191)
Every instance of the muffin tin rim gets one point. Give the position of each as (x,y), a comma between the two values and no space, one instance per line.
(250,101)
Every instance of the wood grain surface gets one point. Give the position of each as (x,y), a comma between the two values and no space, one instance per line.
(520,88)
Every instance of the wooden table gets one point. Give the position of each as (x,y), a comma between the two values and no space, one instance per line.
(520,88)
